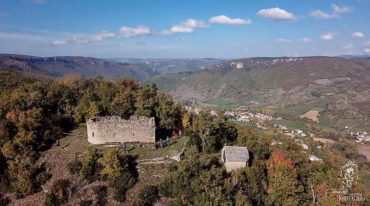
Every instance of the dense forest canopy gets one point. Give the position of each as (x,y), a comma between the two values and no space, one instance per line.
(35,113)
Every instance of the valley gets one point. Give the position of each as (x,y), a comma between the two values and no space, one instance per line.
(337,89)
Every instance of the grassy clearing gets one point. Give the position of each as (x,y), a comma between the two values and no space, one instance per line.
(149,153)
(325,121)
(74,143)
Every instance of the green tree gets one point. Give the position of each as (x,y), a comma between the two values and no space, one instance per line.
(124,101)
(146,100)
(89,165)
(120,171)
(168,113)
(208,188)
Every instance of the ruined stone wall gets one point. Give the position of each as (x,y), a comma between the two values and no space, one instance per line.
(101,130)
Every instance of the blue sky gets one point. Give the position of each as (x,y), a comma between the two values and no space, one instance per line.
(184,29)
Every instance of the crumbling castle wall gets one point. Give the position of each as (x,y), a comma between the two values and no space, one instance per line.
(102,130)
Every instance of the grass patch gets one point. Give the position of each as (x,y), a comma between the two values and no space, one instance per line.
(148,153)
(325,121)
(75,142)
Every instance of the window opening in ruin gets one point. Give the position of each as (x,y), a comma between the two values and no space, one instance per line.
(93,134)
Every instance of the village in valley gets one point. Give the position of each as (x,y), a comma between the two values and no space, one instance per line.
(263,122)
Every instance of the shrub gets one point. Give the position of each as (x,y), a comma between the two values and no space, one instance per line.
(166,187)
(147,195)
(101,193)
(74,167)
(120,171)
(89,165)
(120,185)
(85,203)
(3,200)
(59,193)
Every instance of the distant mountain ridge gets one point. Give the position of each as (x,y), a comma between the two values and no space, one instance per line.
(338,87)
(58,66)
(172,65)
(263,73)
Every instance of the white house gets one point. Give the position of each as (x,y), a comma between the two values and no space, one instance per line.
(234,157)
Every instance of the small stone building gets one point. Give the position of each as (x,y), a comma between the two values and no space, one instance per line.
(234,157)
(114,129)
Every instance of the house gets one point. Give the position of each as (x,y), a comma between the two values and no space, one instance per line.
(234,157)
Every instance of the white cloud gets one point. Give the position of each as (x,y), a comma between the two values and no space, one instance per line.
(321,15)
(328,36)
(94,38)
(105,35)
(341,10)
(358,34)
(187,26)
(336,12)
(166,32)
(59,42)
(282,40)
(131,32)
(367,50)
(348,46)
(222,19)
(101,36)
(306,40)
(276,14)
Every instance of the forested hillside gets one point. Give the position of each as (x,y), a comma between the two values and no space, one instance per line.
(36,114)
(51,67)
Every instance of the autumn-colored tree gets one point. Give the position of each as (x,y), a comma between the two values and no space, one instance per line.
(185,120)
(111,162)
(282,180)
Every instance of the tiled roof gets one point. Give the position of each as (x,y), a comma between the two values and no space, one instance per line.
(236,154)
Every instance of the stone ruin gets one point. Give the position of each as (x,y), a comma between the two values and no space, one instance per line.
(114,129)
